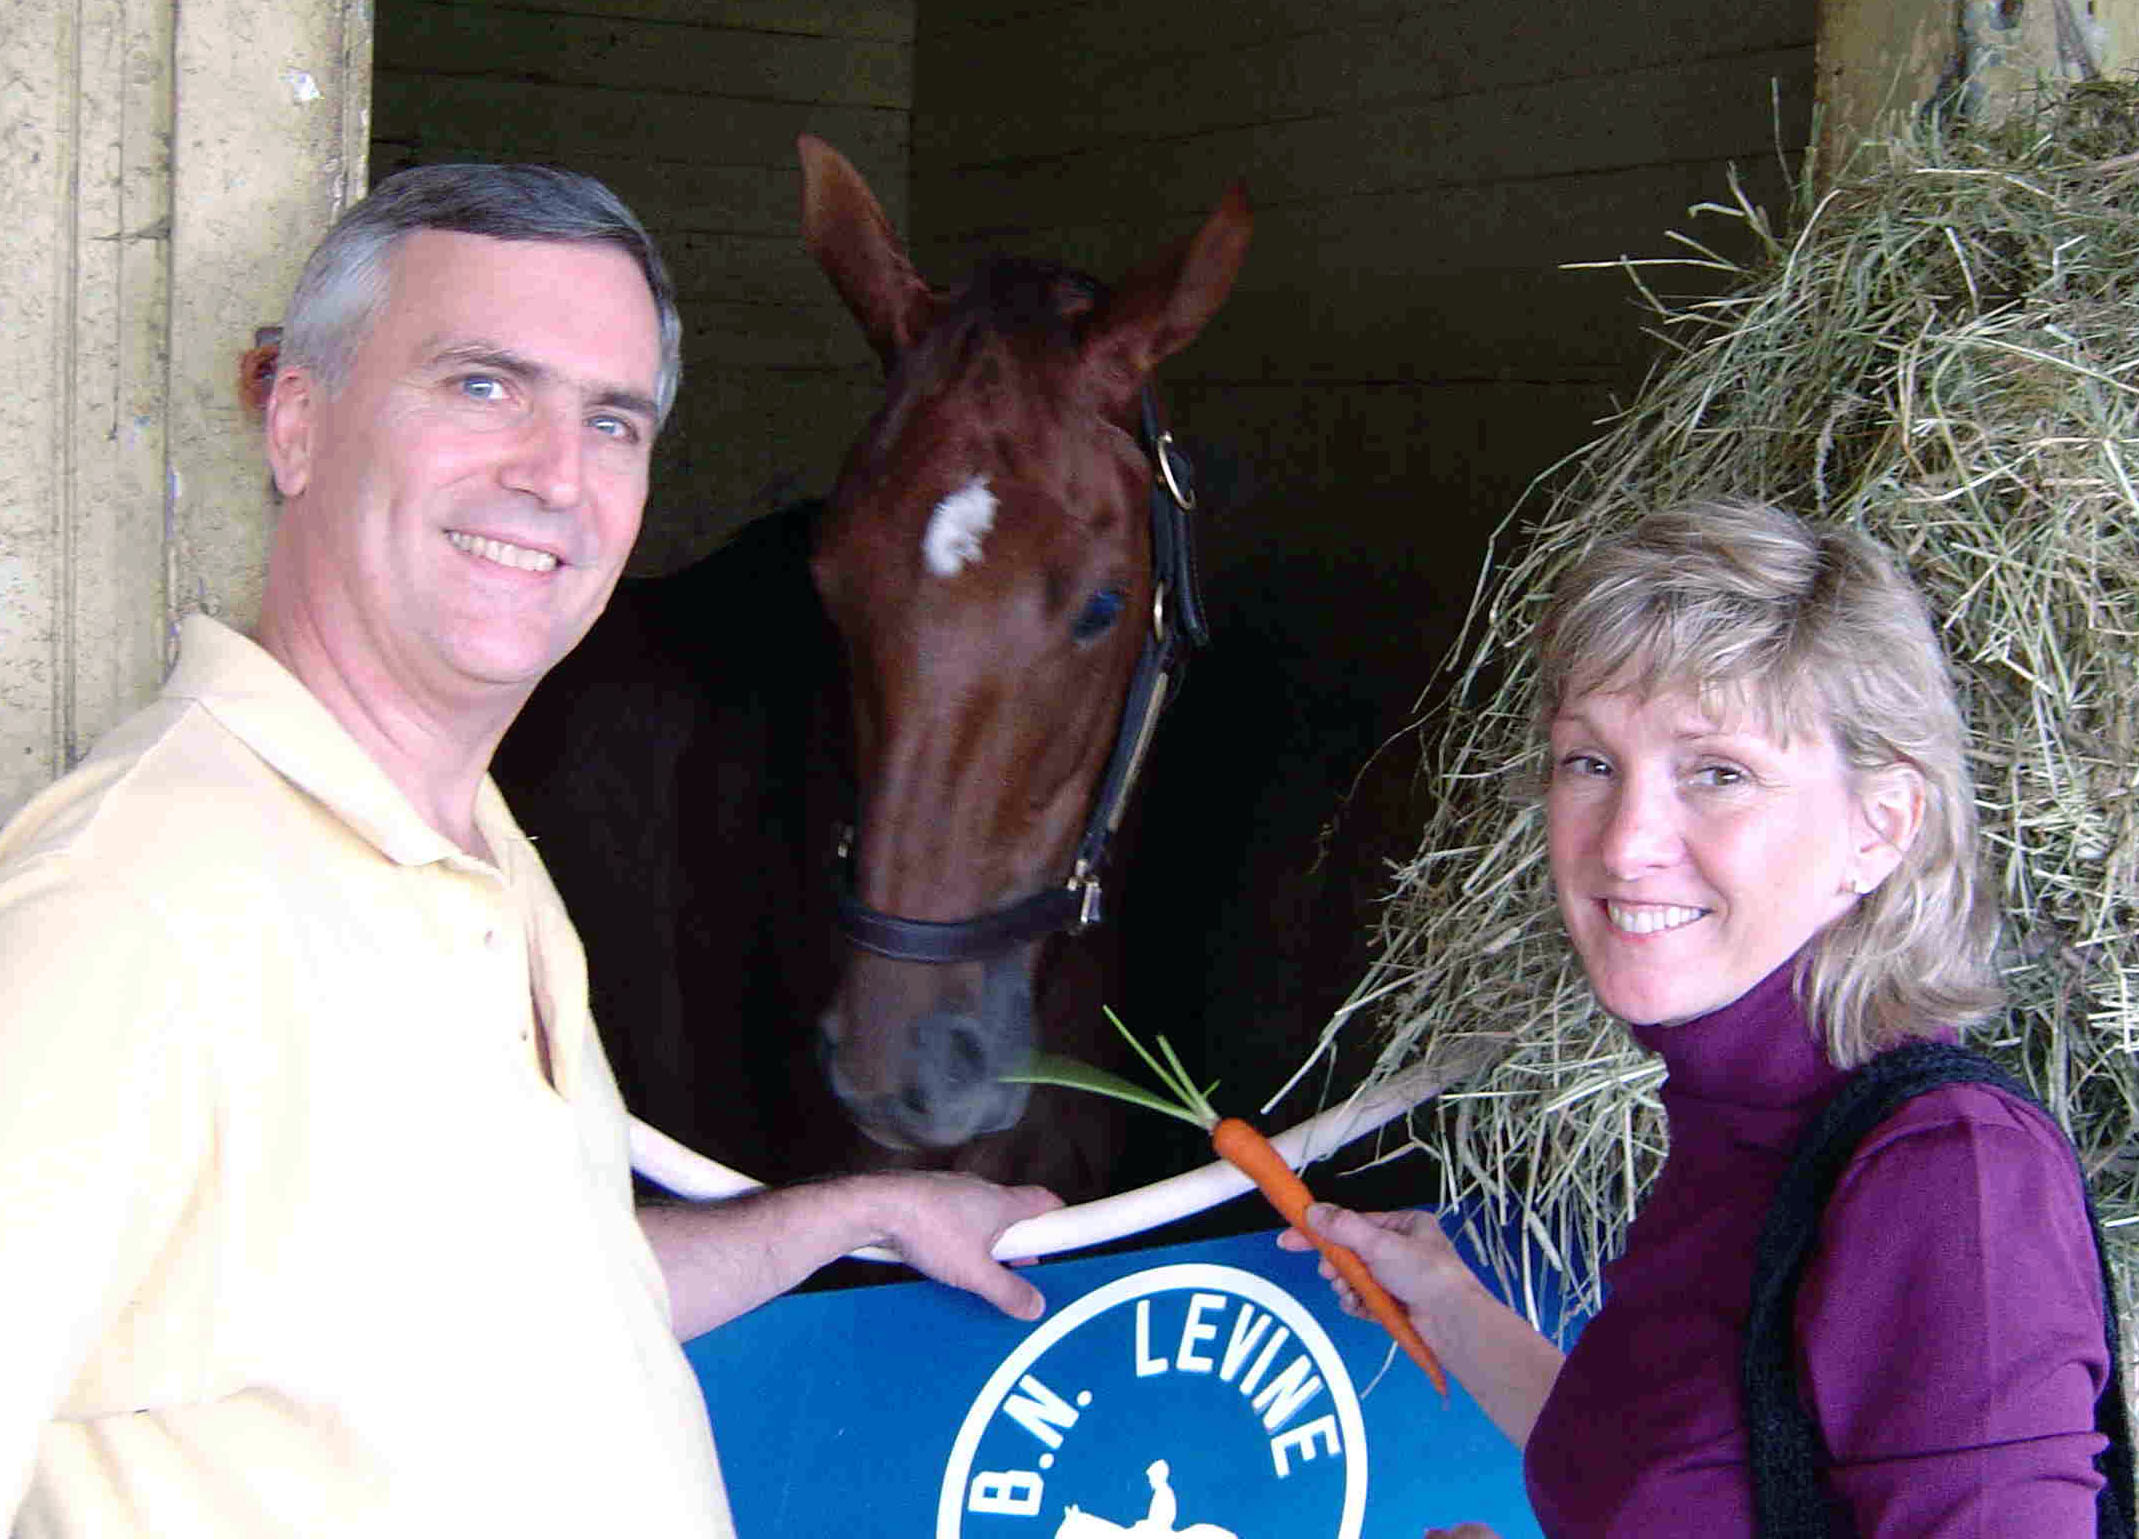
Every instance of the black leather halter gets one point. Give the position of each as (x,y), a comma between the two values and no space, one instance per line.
(1177,627)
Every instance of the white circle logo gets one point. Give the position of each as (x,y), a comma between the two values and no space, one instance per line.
(1185,1402)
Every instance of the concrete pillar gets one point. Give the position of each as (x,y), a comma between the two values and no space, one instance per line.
(1881,60)
(165,168)
(1875,62)
(2011,46)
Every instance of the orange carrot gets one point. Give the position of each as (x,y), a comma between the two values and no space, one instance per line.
(1247,1151)
(1254,1156)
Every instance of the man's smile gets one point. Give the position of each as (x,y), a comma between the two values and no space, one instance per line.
(516,556)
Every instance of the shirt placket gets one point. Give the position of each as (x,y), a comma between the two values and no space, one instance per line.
(496,938)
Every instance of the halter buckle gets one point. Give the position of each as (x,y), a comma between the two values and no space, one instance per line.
(1185,500)
(1089,907)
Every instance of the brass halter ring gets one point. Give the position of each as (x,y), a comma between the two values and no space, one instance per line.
(1184,500)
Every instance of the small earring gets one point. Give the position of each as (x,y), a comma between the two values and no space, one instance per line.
(1857,887)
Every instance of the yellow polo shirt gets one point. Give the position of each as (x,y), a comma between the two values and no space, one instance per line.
(295,1237)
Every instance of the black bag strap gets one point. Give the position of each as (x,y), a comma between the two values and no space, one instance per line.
(1787,1454)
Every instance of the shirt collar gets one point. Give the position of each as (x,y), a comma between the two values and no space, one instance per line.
(1756,1051)
(263,705)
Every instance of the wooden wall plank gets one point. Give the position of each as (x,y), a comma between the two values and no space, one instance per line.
(1480,325)
(1421,235)
(744,442)
(1657,116)
(645,56)
(1112,80)
(813,334)
(886,21)
(677,199)
(943,18)
(520,121)
(720,267)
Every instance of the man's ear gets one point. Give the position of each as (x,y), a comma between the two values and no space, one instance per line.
(293,404)
(1890,814)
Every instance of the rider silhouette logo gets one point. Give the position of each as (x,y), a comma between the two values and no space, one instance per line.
(1193,1391)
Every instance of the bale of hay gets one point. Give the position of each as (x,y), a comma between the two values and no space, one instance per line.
(1945,353)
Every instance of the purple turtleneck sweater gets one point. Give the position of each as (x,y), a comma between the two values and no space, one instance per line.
(1949,1328)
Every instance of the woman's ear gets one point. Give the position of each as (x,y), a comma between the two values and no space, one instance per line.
(1890,814)
(292,403)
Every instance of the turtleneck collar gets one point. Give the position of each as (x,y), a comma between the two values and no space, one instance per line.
(1757,1051)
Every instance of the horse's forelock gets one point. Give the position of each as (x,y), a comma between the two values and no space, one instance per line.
(1023,294)
(1014,298)
(1018,301)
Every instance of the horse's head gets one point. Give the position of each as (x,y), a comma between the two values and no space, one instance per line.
(987,558)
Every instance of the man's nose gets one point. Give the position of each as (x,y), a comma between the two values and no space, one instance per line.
(548,458)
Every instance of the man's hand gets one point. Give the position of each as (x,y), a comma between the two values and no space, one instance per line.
(946,1226)
(722,1259)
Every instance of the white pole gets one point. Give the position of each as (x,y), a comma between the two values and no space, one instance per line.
(675,1168)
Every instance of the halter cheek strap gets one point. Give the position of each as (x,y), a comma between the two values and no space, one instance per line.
(1178,626)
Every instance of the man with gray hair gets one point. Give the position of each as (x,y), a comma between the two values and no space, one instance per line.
(315,1204)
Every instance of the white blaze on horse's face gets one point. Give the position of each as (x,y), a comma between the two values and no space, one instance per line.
(957,528)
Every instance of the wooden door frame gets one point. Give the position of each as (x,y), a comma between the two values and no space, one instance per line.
(169,167)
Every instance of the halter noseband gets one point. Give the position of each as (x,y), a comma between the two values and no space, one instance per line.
(1177,626)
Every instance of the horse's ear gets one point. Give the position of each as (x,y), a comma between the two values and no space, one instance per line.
(845,230)
(1158,309)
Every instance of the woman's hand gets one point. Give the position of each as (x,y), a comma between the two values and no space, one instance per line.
(1487,1347)
(1406,1251)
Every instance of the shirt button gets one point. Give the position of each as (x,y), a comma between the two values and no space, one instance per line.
(490,939)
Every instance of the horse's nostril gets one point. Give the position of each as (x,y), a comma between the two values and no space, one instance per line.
(968,1061)
(947,1091)
(951,1058)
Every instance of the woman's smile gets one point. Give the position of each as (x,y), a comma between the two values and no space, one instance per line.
(1650,918)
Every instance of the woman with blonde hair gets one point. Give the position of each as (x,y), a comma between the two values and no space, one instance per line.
(1762,842)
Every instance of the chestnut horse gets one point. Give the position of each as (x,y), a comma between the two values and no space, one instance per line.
(959,657)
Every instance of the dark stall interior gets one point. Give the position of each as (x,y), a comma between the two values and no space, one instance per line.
(1404,352)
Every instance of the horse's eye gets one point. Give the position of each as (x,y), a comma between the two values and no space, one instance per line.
(1100,611)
